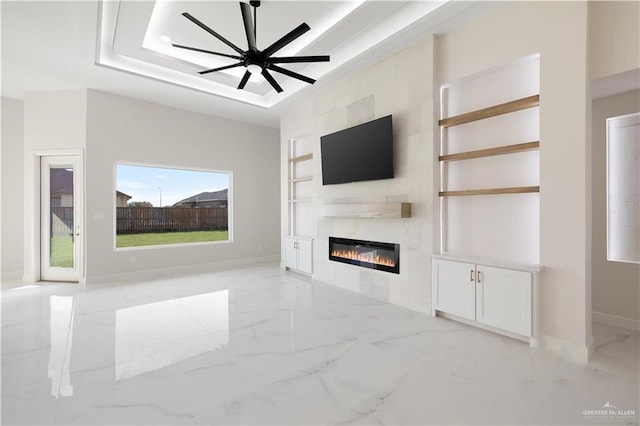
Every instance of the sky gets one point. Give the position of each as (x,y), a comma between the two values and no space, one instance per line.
(150,183)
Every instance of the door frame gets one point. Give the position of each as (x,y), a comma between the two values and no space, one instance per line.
(33,224)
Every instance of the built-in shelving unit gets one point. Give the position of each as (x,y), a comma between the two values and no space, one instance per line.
(297,245)
(301,179)
(490,191)
(482,114)
(486,272)
(305,157)
(296,177)
(492,111)
(367,210)
(489,152)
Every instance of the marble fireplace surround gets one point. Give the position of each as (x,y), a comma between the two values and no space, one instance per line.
(407,287)
(373,210)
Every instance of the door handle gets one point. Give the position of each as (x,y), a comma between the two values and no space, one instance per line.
(471,275)
(478,277)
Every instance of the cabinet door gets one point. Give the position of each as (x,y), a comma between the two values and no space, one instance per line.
(290,253)
(454,288)
(305,256)
(503,299)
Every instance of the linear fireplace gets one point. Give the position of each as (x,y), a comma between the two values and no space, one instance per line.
(368,254)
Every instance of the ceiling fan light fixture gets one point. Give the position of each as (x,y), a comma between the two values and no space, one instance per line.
(254,68)
(256,61)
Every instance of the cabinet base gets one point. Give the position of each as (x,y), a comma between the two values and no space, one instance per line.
(529,340)
(306,274)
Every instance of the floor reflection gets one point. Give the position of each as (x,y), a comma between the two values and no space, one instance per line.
(61,332)
(156,335)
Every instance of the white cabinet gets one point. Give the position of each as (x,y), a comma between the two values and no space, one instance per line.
(298,253)
(454,289)
(503,299)
(497,297)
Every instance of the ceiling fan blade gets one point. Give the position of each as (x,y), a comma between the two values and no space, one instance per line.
(267,75)
(286,39)
(195,49)
(213,33)
(248,25)
(226,67)
(292,59)
(291,74)
(244,80)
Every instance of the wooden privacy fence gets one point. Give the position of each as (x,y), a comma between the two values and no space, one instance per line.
(61,221)
(139,220)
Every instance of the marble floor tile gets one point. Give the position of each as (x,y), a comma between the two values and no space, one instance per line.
(257,345)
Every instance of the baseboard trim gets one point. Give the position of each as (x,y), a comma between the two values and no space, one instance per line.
(187,269)
(11,275)
(566,349)
(590,347)
(29,278)
(616,321)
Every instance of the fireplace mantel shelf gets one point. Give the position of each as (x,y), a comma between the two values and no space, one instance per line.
(367,210)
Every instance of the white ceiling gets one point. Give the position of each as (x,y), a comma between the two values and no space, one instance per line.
(115,46)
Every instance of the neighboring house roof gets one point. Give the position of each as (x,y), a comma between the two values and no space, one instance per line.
(205,196)
(61,181)
(122,194)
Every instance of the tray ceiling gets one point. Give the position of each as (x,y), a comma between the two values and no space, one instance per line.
(120,47)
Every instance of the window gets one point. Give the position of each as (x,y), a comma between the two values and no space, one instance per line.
(623,188)
(158,206)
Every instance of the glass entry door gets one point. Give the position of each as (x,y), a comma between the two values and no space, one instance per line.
(60,213)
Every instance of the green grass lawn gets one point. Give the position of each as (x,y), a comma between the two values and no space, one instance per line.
(160,238)
(62,252)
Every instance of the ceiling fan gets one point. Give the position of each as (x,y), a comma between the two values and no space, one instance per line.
(253,59)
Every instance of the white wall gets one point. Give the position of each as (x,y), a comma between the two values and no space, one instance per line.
(510,31)
(616,285)
(614,36)
(127,130)
(12,188)
(109,129)
(401,85)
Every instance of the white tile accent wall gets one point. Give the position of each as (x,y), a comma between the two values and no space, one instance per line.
(401,85)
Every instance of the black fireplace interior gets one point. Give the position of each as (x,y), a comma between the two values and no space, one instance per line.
(368,254)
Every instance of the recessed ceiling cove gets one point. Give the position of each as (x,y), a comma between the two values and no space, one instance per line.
(141,38)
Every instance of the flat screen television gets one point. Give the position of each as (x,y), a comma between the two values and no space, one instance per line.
(363,152)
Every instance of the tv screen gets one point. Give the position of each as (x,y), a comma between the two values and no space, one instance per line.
(359,153)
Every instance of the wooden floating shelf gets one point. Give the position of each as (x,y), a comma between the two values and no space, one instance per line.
(301,158)
(301,179)
(500,150)
(512,190)
(367,210)
(492,111)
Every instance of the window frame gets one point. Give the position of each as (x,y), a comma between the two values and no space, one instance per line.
(114,201)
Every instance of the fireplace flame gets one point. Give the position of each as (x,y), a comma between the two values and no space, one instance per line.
(363,257)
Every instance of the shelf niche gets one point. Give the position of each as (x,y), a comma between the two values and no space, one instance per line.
(367,210)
